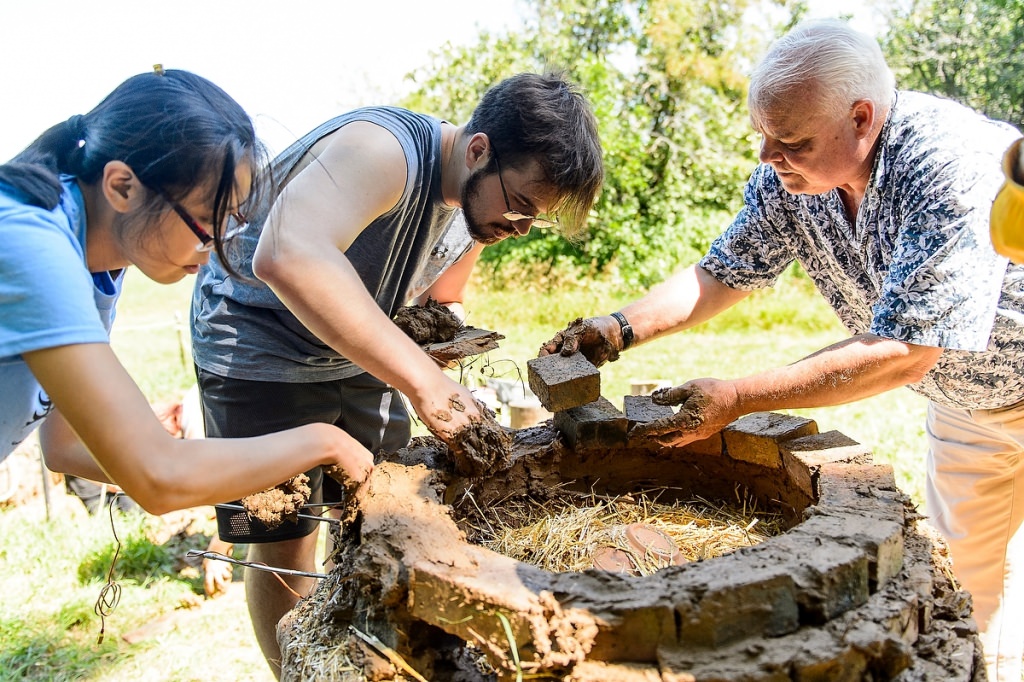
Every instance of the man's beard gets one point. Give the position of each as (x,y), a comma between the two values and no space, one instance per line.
(481,233)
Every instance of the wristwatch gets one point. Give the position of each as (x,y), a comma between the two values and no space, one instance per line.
(627,329)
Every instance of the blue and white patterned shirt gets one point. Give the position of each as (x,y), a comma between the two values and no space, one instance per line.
(918,265)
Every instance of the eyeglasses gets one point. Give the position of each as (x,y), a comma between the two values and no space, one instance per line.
(516,216)
(206,241)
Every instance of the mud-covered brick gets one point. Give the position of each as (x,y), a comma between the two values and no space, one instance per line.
(598,424)
(881,541)
(830,446)
(802,456)
(735,599)
(861,489)
(641,409)
(831,575)
(756,437)
(563,382)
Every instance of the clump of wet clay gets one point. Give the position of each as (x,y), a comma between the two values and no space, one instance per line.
(274,506)
(430,323)
(483,446)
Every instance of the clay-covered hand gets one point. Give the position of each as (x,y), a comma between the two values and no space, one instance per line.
(483,448)
(706,406)
(353,467)
(447,408)
(598,338)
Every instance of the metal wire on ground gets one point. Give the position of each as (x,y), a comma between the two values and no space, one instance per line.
(110,594)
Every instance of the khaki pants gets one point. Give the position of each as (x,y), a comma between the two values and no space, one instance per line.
(975,497)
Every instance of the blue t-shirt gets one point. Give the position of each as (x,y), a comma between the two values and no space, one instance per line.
(917,265)
(48,298)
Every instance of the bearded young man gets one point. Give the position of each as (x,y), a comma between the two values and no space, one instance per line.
(378,207)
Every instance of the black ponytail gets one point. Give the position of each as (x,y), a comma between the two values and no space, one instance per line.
(177,132)
(33,172)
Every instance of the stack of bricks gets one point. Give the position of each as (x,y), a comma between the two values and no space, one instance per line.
(570,387)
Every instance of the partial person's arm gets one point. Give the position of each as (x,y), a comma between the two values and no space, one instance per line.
(62,450)
(856,368)
(450,288)
(686,299)
(1006,222)
(301,256)
(131,448)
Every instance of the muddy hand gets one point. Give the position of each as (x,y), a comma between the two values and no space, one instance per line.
(706,406)
(482,448)
(448,409)
(354,467)
(592,337)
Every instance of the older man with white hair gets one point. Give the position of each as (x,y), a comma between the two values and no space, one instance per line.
(884,197)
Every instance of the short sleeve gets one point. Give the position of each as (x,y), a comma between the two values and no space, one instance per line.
(750,254)
(46,292)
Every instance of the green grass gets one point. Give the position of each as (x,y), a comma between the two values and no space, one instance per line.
(151,336)
(55,568)
(54,572)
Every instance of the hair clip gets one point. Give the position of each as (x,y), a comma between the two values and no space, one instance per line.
(158,69)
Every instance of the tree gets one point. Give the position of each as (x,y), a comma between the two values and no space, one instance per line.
(967,50)
(667,82)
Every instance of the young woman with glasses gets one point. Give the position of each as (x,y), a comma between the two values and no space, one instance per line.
(156,176)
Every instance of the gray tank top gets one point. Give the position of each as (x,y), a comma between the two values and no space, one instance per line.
(240,329)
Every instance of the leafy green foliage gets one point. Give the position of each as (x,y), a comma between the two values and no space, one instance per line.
(968,51)
(666,81)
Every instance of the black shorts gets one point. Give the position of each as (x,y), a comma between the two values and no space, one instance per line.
(366,408)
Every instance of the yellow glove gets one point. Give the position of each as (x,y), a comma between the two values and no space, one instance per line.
(1007,221)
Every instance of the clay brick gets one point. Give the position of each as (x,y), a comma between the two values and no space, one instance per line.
(836,663)
(859,489)
(641,409)
(599,671)
(831,576)
(882,541)
(739,600)
(598,424)
(821,448)
(712,445)
(810,655)
(756,437)
(649,623)
(563,382)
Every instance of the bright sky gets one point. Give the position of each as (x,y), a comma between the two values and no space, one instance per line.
(292,64)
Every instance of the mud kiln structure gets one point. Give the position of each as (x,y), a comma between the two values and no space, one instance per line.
(856,589)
